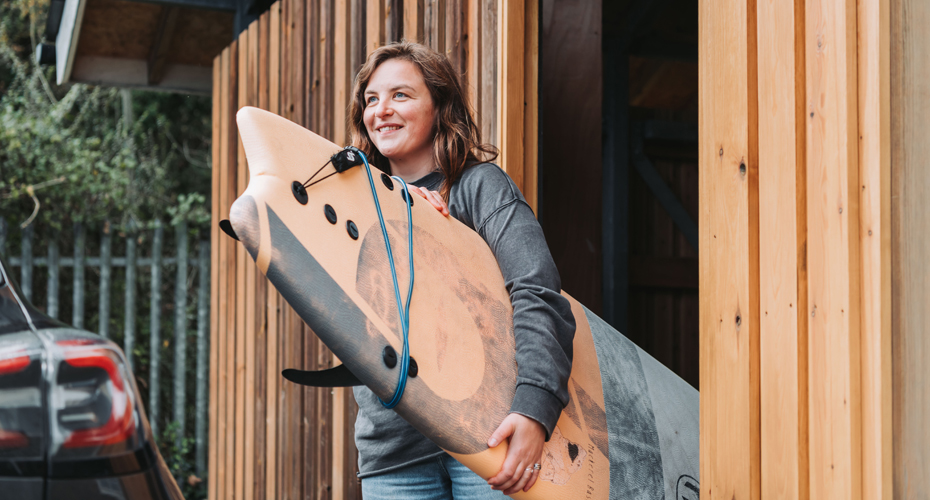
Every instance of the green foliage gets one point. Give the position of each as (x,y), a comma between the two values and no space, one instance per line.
(175,453)
(68,153)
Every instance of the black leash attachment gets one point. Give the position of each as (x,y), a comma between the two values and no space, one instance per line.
(338,376)
(345,159)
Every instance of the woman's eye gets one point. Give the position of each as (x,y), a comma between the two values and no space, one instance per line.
(371,100)
(399,95)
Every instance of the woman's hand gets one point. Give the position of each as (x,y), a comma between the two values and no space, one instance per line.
(527,438)
(434,198)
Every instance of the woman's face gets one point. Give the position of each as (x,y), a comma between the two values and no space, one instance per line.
(399,112)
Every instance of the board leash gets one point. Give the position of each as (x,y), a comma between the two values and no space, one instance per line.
(403,309)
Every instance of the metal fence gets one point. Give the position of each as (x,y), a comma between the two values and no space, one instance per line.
(191,283)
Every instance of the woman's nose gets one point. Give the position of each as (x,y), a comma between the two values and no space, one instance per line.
(383,109)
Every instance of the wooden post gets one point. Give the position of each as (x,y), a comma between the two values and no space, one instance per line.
(910,127)
(155,328)
(728,258)
(77,314)
(53,279)
(3,233)
(106,271)
(180,330)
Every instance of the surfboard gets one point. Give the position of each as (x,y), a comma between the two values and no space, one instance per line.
(631,427)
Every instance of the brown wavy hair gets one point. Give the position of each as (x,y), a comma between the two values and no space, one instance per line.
(457,144)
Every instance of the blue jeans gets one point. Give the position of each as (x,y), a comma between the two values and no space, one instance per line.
(439,478)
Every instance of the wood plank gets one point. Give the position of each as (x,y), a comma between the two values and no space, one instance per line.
(910,126)
(227,329)
(779,342)
(241,292)
(273,376)
(326,56)
(413,20)
(473,55)
(531,104)
(728,261)
(874,118)
(487,105)
(261,285)
(215,217)
(510,88)
(375,19)
(249,291)
(833,250)
(342,79)
(456,26)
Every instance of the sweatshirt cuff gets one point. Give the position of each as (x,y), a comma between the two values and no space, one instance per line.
(538,404)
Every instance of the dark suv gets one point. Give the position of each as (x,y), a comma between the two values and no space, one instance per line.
(71,421)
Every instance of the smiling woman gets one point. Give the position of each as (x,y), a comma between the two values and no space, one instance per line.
(410,116)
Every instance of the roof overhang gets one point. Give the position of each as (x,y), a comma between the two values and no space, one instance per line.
(162,45)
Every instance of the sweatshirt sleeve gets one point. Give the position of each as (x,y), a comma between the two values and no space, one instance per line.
(544,326)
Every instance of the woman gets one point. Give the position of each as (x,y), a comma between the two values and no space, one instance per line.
(411,117)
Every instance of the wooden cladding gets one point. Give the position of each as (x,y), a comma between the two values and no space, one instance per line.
(270,439)
(795,249)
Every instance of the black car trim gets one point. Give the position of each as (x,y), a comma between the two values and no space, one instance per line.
(128,463)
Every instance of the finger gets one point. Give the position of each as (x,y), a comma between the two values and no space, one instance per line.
(442,203)
(516,478)
(532,481)
(506,474)
(503,431)
(521,483)
(414,189)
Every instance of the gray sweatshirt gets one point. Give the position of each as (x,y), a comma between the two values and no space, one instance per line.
(486,200)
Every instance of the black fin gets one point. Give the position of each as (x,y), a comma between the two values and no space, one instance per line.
(227,228)
(338,376)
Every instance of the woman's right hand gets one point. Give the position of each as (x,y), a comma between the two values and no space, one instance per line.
(434,198)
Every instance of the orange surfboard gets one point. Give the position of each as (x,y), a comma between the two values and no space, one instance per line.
(631,428)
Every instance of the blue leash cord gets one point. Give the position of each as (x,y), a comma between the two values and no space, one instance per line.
(404,311)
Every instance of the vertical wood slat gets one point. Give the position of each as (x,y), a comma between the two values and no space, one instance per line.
(781,168)
(910,126)
(273,378)
(342,78)
(3,235)
(250,270)
(77,314)
(728,260)
(53,279)
(180,331)
(874,118)
(242,290)
(413,20)
(473,63)
(216,127)
(489,93)
(155,328)
(510,87)
(374,25)
(106,272)
(530,97)
(833,249)
(229,178)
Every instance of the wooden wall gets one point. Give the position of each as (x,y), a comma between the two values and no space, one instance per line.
(270,439)
(795,249)
(910,95)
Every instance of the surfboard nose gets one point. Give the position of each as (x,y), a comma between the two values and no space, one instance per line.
(279,147)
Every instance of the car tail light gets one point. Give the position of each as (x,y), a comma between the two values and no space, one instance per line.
(93,405)
(22,430)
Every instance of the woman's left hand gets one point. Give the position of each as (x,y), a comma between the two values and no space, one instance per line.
(434,198)
(527,438)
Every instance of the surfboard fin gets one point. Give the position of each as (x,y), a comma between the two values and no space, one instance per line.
(338,376)
(227,228)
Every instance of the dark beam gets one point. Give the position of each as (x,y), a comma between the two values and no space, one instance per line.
(656,47)
(615,228)
(670,131)
(158,57)
(223,5)
(650,271)
(660,189)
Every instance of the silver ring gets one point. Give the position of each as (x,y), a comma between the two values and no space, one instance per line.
(537,466)
(528,469)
